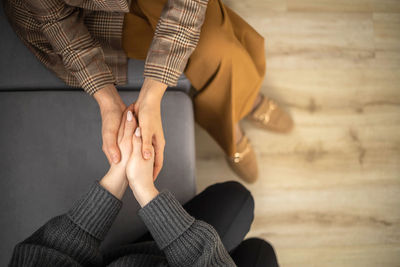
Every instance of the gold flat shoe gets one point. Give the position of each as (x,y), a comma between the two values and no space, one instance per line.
(244,161)
(270,116)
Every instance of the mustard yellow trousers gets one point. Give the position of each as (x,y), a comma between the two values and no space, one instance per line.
(226,69)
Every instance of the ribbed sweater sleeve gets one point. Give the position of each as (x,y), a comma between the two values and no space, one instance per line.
(184,240)
(72,239)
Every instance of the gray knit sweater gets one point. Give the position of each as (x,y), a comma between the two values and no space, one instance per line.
(73,239)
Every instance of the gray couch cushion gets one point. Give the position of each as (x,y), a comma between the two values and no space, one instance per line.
(19,68)
(50,143)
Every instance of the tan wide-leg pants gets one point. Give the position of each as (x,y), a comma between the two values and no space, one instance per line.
(226,68)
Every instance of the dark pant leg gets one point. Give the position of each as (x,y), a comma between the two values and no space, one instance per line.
(228,207)
(254,252)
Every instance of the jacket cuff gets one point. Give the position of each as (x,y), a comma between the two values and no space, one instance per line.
(165,218)
(96,211)
(162,74)
(92,82)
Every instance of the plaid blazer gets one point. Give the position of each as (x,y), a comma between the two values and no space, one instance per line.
(80,40)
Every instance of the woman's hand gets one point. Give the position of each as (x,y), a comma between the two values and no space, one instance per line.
(139,172)
(148,110)
(115,180)
(111,109)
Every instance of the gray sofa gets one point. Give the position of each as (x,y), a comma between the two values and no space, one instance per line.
(50,145)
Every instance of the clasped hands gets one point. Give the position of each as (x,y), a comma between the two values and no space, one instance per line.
(132,169)
(147,110)
(134,160)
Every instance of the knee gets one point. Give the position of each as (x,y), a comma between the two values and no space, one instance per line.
(234,187)
(258,242)
(236,192)
(217,44)
(255,249)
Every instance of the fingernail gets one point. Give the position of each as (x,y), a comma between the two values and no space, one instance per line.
(129,116)
(115,158)
(137,132)
(147,155)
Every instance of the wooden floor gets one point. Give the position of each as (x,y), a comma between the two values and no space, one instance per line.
(329,192)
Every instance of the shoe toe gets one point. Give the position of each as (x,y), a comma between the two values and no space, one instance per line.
(282,121)
(246,168)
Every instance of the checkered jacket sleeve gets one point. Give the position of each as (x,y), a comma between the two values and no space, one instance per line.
(176,36)
(64,28)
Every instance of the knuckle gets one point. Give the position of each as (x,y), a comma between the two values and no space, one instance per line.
(146,147)
(147,142)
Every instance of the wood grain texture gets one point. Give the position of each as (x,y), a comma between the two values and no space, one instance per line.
(329,192)
(355,6)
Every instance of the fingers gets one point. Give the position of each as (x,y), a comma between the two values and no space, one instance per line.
(110,147)
(159,157)
(147,146)
(130,126)
(137,144)
(111,121)
(122,129)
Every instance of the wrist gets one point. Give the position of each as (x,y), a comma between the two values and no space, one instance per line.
(115,181)
(108,97)
(144,193)
(153,89)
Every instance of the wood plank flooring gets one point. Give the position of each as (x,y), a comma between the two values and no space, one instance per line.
(329,192)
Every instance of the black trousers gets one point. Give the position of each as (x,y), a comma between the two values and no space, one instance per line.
(229,208)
